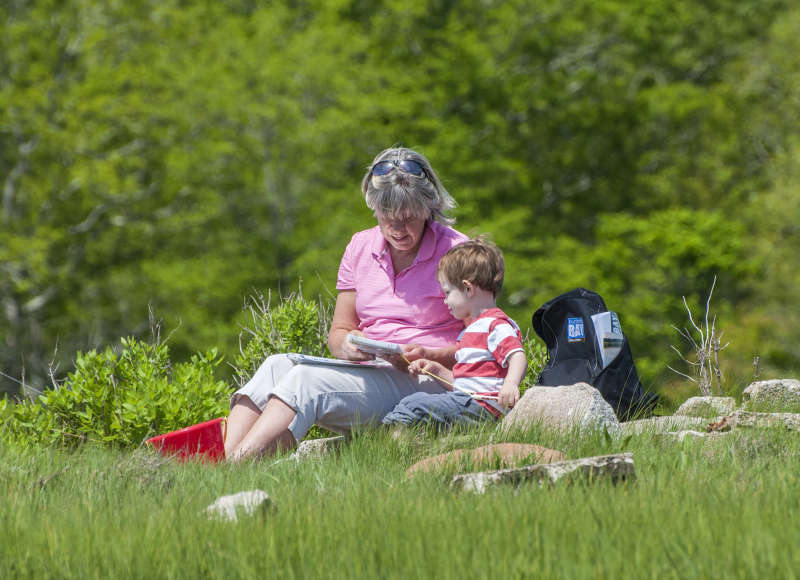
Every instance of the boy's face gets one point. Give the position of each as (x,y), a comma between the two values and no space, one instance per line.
(456,299)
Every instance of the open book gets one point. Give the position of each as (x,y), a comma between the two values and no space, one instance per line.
(319,360)
(378,347)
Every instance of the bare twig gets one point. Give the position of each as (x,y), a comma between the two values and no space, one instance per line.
(706,367)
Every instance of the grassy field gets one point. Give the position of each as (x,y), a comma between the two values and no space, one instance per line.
(722,509)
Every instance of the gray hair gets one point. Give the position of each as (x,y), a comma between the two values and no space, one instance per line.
(401,193)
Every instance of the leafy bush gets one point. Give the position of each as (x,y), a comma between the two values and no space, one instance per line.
(536,353)
(294,325)
(120,398)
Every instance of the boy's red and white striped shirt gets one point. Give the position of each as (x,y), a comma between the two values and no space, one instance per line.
(484,348)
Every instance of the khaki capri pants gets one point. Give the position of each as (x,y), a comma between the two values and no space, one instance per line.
(337,398)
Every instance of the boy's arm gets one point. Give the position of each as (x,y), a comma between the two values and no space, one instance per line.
(509,392)
(445,356)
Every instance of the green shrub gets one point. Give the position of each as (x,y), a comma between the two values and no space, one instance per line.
(536,353)
(121,398)
(294,325)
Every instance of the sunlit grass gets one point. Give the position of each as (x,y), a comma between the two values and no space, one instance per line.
(695,508)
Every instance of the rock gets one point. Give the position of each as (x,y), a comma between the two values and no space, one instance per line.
(227,506)
(507,453)
(579,405)
(661,424)
(614,467)
(316,448)
(752,419)
(681,435)
(707,407)
(777,394)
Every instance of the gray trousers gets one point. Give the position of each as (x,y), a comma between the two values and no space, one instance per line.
(337,398)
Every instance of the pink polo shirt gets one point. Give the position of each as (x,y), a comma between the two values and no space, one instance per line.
(406,308)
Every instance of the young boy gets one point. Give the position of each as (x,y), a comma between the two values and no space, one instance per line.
(490,360)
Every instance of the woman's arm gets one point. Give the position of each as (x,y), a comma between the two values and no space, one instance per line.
(345,321)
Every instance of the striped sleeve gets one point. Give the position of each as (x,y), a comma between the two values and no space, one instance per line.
(504,340)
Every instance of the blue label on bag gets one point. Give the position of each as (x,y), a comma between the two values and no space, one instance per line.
(575,330)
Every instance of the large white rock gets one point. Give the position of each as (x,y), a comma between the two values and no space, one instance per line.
(579,405)
(775,393)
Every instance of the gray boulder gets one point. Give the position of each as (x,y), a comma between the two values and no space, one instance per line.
(579,405)
(775,393)
(614,467)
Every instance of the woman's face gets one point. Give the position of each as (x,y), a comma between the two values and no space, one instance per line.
(402,233)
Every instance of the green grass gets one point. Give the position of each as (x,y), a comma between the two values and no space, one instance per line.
(696,510)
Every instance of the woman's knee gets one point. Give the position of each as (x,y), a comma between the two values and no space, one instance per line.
(244,401)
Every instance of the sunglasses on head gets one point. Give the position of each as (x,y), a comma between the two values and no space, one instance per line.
(406,165)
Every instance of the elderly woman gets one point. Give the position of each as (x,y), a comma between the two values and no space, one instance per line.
(387,291)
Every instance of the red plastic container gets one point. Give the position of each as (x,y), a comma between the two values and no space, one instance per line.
(204,441)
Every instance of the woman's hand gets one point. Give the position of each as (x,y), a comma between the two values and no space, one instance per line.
(345,321)
(351,351)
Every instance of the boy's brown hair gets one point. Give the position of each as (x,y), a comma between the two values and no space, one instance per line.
(478,261)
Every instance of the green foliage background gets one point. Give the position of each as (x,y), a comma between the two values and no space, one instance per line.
(119,399)
(181,155)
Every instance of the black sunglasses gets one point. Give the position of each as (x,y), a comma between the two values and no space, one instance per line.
(407,165)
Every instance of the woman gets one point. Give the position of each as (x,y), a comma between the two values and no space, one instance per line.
(387,291)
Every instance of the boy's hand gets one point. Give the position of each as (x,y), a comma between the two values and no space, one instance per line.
(420,366)
(508,395)
(413,352)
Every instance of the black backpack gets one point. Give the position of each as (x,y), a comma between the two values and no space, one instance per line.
(565,324)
